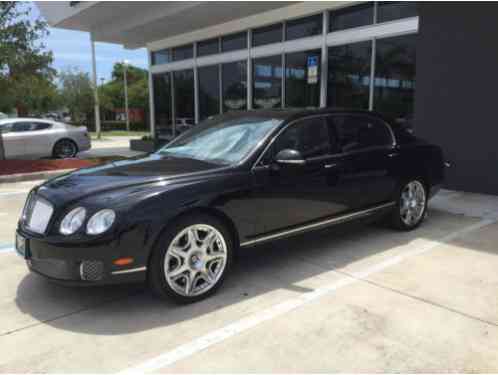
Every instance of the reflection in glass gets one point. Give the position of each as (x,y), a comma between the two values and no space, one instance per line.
(304,27)
(299,91)
(394,84)
(355,16)
(267,35)
(209,91)
(234,42)
(183,52)
(208,47)
(184,99)
(349,75)
(234,78)
(161,57)
(267,82)
(395,10)
(162,105)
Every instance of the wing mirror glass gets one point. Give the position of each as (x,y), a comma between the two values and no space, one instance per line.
(290,157)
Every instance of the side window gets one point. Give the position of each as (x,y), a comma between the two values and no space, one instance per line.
(357,132)
(5,128)
(310,137)
(41,126)
(18,127)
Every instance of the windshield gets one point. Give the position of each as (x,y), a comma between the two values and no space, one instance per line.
(222,141)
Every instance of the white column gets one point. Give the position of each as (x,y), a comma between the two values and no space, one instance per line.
(95,89)
(196,87)
(125,67)
(151,99)
(249,93)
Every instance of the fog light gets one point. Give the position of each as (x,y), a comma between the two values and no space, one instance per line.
(91,270)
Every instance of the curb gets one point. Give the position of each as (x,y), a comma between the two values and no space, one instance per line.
(19,177)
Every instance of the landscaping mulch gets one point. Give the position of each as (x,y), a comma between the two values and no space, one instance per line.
(9,167)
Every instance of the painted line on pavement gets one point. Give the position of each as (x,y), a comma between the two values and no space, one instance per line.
(13,193)
(7,248)
(197,345)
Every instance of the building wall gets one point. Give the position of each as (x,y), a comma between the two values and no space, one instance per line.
(456,96)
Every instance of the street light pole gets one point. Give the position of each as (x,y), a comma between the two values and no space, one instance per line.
(125,65)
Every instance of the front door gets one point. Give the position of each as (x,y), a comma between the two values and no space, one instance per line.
(292,195)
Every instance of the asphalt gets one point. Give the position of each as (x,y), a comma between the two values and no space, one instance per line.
(350,299)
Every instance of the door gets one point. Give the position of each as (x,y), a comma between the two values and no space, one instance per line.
(13,142)
(38,139)
(294,194)
(368,151)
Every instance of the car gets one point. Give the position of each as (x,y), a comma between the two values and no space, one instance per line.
(176,218)
(30,138)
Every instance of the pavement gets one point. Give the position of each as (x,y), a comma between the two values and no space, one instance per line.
(350,299)
(110,145)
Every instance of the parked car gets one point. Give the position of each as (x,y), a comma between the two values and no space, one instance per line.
(29,138)
(3,116)
(176,217)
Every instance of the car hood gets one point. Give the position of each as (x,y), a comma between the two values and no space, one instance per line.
(123,174)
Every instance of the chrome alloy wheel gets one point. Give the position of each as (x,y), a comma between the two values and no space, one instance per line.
(65,149)
(412,205)
(195,260)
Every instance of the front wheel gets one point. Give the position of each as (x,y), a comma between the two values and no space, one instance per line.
(411,206)
(191,259)
(64,149)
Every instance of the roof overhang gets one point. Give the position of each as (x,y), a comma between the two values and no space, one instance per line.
(137,23)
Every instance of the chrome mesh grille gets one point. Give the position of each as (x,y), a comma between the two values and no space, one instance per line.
(91,270)
(37,214)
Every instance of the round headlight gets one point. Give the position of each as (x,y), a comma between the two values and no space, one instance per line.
(100,222)
(73,221)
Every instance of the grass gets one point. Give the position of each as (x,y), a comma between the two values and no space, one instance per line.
(119,133)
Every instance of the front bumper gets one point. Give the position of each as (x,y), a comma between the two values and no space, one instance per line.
(83,264)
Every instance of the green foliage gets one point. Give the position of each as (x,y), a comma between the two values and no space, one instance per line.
(77,93)
(25,69)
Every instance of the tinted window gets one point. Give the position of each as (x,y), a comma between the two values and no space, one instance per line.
(40,126)
(5,128)
(234,42)
(267,35)
(22,127)
(356,132)
(183,52)
(161,57)
(301,90)
(349,75)
(267,89)
(303,27)
(355,16)
(394,10)
(395,71)
(310,137)
(184,99)
(234,78)
(162,104)
(208,47)
(209,91)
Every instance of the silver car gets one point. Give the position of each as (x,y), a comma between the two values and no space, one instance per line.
(28,138)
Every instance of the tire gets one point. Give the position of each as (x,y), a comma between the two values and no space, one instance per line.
(411,207)
(186,264)
(64,149)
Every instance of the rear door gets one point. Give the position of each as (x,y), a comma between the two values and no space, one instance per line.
(38,139)
(13,141)
(368,150)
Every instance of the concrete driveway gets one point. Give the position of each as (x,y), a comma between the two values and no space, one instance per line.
(351,299)
(110,146)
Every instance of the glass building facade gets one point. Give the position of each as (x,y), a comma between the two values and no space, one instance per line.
(370,69)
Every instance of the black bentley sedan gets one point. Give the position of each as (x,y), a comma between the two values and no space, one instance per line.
(176,217)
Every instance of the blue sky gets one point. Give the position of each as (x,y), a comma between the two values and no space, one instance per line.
(72,49)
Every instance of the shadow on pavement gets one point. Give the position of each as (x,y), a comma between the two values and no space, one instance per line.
(116,310)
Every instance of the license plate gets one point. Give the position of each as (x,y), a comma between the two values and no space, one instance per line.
(21,245)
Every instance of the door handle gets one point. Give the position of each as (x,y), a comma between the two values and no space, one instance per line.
(328,166)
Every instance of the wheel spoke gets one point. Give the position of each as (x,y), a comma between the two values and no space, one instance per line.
(189,282)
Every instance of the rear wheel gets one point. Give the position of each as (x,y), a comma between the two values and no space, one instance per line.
(191,259)
(411,205)
(65,148)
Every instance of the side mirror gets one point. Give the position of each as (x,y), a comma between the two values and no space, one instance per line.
(290,157)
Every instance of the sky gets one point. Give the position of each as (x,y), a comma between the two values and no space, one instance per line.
(72,49)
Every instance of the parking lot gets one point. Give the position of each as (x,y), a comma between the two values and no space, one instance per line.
(350,299)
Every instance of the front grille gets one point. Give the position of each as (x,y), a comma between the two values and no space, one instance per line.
(37,214)
(91,270)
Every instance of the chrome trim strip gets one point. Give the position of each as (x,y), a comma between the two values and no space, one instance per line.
(138,269)
(333,221)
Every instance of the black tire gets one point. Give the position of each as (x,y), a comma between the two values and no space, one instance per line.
(64,149)
(156,272)
(396,220)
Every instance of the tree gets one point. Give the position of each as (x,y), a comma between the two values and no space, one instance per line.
(77,93)
(23,60)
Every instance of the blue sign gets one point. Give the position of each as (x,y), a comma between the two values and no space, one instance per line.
(312,70)
(312,61)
